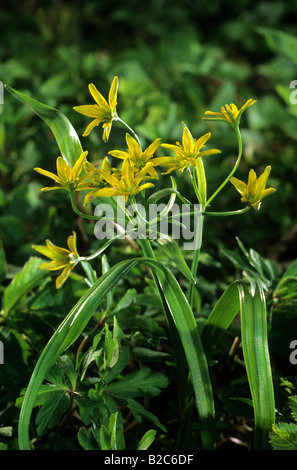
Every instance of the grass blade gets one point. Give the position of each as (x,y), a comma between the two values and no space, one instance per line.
(257,362)
(247,297)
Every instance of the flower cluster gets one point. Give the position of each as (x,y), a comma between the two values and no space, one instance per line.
(139,168)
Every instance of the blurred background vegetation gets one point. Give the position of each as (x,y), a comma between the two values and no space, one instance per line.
(174,59)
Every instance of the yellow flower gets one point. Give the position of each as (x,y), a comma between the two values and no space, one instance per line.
(138,158)
(185,154)
(229,113)
(104,112)
(68,178)
(127,183)
(253,192)
(96,178)
(61,258)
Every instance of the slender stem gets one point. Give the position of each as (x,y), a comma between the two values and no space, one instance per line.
(228,213)
(194,268)
(78,212)
(129,128)
(233,170)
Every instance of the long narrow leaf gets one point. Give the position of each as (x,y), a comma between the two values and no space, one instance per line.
(257,362)
(65,134)
(247,297)
(79,316)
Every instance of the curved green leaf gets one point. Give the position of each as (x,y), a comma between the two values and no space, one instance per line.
(79,316)
(247,297)
(65,134)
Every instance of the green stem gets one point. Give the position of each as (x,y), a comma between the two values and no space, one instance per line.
(78,212)
(228,213)
(129,128)
(185,393)
(233,170)
(194,269)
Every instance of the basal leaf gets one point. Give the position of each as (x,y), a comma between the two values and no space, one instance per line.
(65,134)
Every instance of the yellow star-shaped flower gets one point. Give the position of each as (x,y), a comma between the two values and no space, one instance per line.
(187,153)
(254,191)
(62,258)
(229,113)
(138,158)
(126,182)
(66,177)
(103,112)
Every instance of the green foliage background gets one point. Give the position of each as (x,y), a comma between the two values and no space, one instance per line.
(174,59)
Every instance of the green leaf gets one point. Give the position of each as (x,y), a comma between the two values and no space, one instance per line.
(147,440)
(140,412)
(149,355)
(172,250)
(104,438)
(247,297)
(79,316)
(87,440)
(23,282)
(62,367)
(136,384)
(293,405)
(52,411)
(117,440)
(119,365)
(284,436)
(65,134)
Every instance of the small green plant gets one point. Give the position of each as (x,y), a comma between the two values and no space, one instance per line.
(284,433)
(128,189)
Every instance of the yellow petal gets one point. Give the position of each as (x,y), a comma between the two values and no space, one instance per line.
(205,153)
(71,242)
(106,131)
(77,168)
(49,174)
(62,278)
(100,100)
(201,142)
(187,140)
(133,145)
(91,126)
(91,110)
(152,147)
(112,98)
(63,169)
(119,154)
(239,185)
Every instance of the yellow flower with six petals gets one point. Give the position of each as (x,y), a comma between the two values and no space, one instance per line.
(185,154)
(66,177)
(138,158)
(254,191)
(103,112)
(125,183)
(229,113)
(61,258)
